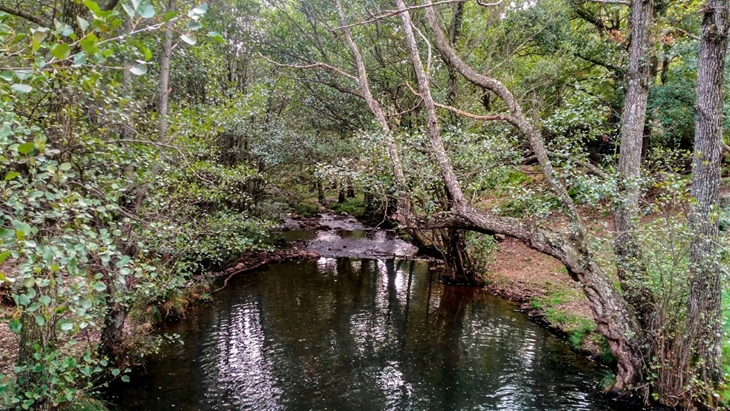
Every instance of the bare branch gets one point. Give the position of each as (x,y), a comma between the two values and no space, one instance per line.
(590,167)
(520,121)
(475,116)
(725,147)
(483,4)
(317,65)
(391,13)
(621,2)
(27,16)
(508,119)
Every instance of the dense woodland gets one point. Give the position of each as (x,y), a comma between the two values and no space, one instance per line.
(147,143)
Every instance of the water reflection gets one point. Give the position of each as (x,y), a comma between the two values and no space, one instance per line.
(347,334)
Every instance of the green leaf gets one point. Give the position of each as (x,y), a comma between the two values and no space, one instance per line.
(198,11)
(90,44)
(45,300)
(194,25)
(138,69)
(147,11)
(23,300)
(39,36)
(93,6)
(115,372)
(6,75)
(99,286)
(189,38)
(4,256)
(145,51)
(170,15)
(6,233)
(128,10)
(5,279)
(65,167)
(79,59)
(125,378)
(135,4)
(21,88)
(21,229)
(23,74)
(11,175)
(216,36)
(29,282)
(67,326)
(26,148)
(83,24)
(15,325)
(40,320)
(61,51)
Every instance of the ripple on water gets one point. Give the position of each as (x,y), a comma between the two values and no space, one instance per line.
(344,334)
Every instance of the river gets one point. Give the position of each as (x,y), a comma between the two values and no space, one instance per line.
(353,333)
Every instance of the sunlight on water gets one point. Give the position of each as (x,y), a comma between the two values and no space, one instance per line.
(350,334)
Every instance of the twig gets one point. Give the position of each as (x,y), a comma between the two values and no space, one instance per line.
(508,119)
(312,66)
(593,169)
(31,18)
(391,13)
(243,270)
(621,2)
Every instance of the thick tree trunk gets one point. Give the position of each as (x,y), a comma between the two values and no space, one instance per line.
(704,315)
(630,266)
(32,335)
(111,343)
(458,266)
(321,199)
(341,194)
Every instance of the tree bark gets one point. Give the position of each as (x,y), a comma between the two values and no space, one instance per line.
(614,317)
(704,316)
(630,266)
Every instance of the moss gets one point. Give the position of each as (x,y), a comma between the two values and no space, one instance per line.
(578,329)
(352,206)
(307,209)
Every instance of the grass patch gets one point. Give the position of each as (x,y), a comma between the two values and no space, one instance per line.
(307,209)
(578,329)
(352,206)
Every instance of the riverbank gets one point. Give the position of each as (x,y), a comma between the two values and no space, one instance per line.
(546,294)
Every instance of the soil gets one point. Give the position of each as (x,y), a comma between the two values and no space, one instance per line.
(520,274)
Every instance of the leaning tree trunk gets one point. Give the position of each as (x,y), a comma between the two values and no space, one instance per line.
(613,315)
(704,311)
(453,254)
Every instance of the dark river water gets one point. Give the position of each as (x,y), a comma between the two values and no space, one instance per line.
(360,334)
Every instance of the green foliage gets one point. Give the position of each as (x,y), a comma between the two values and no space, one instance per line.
(307,209)
(482,250)
(578,329)
(353,206)
(93,217)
